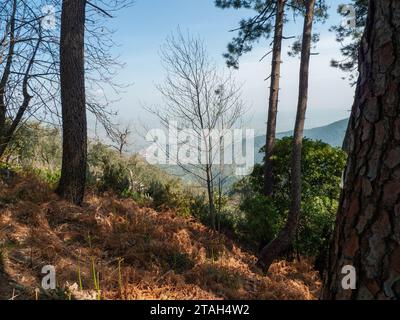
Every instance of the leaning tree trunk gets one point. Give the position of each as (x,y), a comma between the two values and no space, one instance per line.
(5,77)
(8,135)
(287,235)
(367,234)
(274,97)
(73,173)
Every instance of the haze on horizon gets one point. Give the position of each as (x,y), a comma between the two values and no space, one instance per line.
(142,28)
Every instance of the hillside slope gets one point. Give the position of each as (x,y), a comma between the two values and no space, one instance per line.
(114,249)
(332,134)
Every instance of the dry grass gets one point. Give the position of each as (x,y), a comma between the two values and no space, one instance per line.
(134,252)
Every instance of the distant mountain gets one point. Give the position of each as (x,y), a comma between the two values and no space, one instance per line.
(332,134)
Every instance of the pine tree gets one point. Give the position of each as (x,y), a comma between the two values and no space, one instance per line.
(287,235)
(367,234)
(73,100)
(269,20)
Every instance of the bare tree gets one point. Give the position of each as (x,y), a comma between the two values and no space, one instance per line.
(199,99)
(287,235)
(30,63)
(120,138)
(20,47)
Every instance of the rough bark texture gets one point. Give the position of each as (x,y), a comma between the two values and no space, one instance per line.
(73,173)
(274,97)
(285,238)
(367,234)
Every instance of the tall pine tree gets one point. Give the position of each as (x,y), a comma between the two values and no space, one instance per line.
(367,234)
(73,101)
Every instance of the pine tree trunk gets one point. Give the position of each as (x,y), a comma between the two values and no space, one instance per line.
(285,238)
(367,234)
(274,97)
(73,173)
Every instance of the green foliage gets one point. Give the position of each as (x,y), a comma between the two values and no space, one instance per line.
(262,219)
(115,177)
(322,167)
(35,146)
(246,212)
(48,176)
(131,177)
(172,195)
(6,171)
(261,25)
(250,30)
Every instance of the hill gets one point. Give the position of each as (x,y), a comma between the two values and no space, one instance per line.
(113,248)
(332,134)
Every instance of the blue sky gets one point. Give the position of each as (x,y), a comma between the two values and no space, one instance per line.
(142,28)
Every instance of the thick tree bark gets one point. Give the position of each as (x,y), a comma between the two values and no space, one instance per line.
(274,97)
(287,235)
(367,234)
(73,173)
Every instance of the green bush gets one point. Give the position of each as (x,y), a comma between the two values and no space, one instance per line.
(48,176)
(262,219)
(322,167)
(142,199)
(35,146)
(198,206)
(38,149)
(131,177)
(115,177)
(172,195)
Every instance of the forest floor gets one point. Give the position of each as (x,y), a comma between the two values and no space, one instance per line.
(114,249)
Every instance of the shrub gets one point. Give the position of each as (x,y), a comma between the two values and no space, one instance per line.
(48,176)
(322,167)
(172,195)
(35,146)
(262,219)
(115,177)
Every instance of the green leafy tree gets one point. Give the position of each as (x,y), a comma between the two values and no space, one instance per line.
(322,167)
